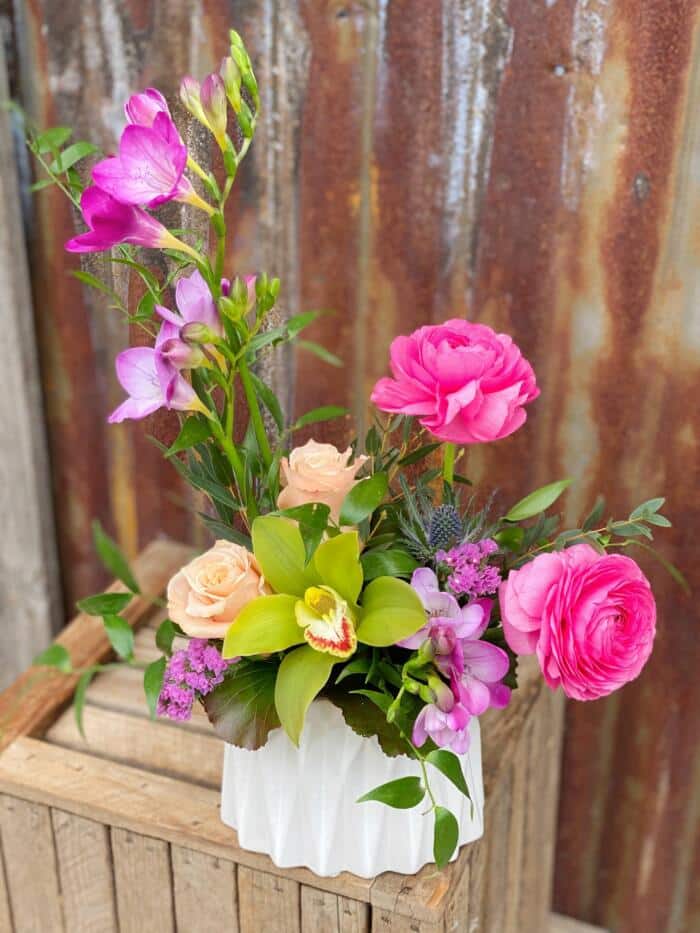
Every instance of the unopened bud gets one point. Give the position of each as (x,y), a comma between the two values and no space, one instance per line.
(181,354)
(191,99)
(196,333)
(231,76)
(229,308)
(213,103)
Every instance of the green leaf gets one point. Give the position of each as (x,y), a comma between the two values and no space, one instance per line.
(356,667)
(510,538)
(84,682)
(74,153)
(595,516)
(194,430)
(402,794)
(363,499)
(166,634)
(418,454)
(111,556)
(242,708)
(298,322)
(91,280)
(337,562)
(630,530)
(52,139)
(120,634)
(647,508)
(312,518)
(391,611)
(104,603)
(302,675)
(446,836)
(392,563)
(279,548)
(660,520)
(221,530)
(448,763)
(264,625)
(54,656)
(153,683)
(270,400)
(538,501)
(320,352)
(324,413)
(41,184)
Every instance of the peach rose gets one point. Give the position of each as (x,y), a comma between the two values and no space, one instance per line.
(208,593)
(318,473)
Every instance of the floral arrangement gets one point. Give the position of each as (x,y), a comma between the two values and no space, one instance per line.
(373,577)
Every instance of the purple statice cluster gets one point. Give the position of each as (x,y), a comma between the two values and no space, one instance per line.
(192,671)
(471,575)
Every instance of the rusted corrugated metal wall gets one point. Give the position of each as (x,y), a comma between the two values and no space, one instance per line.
(532,163)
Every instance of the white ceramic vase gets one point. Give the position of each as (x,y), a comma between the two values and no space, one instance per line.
(298,805)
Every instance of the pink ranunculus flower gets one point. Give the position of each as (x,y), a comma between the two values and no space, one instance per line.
(149,168)
(464,382)
(590,618)
(110,222)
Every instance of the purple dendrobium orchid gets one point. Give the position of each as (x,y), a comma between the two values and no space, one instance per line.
(112,222)
(152,381)
(447,728)
(149,169)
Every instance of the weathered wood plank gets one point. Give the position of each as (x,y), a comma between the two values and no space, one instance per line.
(560,924)
(323,912)
(267,904)
(117,795)
(28,555)
(5,911)
(84,858)
(142,883)
(34,700)
(30,866)
(155,746)
(204,889)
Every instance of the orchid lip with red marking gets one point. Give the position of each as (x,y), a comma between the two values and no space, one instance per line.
(327,621)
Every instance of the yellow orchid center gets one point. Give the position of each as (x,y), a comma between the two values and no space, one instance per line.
(327,621)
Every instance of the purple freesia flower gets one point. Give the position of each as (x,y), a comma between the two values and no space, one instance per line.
(152,381)
(444,612)
(149,168)
(475,668)
(447,728)
(112,222)
(194,301)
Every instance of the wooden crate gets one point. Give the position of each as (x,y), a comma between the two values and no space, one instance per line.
(122,832)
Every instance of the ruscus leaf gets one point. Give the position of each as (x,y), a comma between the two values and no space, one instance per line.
(402,794)
(538,501)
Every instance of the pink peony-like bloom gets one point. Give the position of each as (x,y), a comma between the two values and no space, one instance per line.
(590,618)
(466,383)
(149,169)
(112,222)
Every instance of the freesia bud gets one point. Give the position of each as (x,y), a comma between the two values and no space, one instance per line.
(231,76)
(242,60)
(443,696)
(181,354)
(242,294)
(195,332)
(191,100)
(213,102)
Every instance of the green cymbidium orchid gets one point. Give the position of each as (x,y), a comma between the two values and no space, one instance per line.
(321,603)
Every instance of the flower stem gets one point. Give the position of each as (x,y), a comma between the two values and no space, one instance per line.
(254,409)
(448,463)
